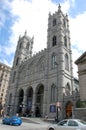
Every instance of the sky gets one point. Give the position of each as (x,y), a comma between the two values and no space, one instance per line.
(17,16)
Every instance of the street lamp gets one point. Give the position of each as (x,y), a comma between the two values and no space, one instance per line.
(57,104)
(8,109)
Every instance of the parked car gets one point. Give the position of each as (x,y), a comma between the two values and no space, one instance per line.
(14,120)
(69,124)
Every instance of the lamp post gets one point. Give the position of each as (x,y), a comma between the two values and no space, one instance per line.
(22,108)
(63,101)
(8,109)
(57,106)
(57,103)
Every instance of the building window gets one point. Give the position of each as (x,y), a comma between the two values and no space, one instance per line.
(54,41)
(65,41)
(20,45)
(53,61)
(27,46)
(53,93)
(64,23)
(67,89)
(41,67)
(17,61)
(66,62)
(14,76)
(54,22)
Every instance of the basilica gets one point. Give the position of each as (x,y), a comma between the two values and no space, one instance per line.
(43,83)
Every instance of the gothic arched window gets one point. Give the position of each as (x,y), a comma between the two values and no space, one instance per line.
(14,76)
(53,60)
(54,41)
(66,62)
(17,61)
(20,45)
(65,41)
(41,66)
(53,93)
(27,46)
(64,23)
(54,22)
(67,89)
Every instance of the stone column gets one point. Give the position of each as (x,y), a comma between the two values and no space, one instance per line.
(24,103)
(33,103)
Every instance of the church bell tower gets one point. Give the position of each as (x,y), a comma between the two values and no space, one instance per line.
(23,50)
(60,54)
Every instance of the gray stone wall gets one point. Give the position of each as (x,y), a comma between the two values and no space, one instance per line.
(79,113)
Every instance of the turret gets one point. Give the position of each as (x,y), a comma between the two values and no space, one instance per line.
(24,49)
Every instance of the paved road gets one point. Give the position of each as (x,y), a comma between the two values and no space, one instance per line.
(24,126)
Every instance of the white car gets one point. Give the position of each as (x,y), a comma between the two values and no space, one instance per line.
(68,124)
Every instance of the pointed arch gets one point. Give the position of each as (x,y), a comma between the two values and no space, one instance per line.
(53,60)
(54,21)
(65,41)
(66,62)
(53,91)
(17,61)
(54,41)
(68,89)
(69,106)
(27,45)
(41,64)
(20,45)
(39,100)
(14,76)
(20,101)
(29,99)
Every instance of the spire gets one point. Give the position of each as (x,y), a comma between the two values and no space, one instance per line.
(25,33)
(66,16)
(59,8)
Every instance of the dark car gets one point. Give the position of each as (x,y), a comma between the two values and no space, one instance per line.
(14,120)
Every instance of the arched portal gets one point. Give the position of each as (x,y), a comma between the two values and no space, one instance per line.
(29,101)
(39,101)
(20,101)
(69,107)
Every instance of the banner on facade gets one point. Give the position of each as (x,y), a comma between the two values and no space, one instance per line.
(29,104)
(52,108)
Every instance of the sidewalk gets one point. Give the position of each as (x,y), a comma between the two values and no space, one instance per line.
(38,120)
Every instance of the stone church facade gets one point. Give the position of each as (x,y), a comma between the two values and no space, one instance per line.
(43,83)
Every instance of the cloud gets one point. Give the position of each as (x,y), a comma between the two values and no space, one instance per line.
(33,17)
(78,40)
(4,6)
(2,18)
